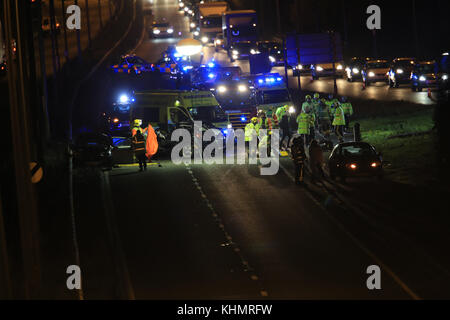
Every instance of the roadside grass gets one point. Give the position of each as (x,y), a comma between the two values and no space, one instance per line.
(412,158)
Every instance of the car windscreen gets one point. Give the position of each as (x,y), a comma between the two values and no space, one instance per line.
(208,114)
(424,68)
(275,96)
(136,60)
(357,150)
(404,63)
(378,65)
(215,22)
(160,25)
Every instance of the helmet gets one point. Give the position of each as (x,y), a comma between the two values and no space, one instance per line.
(254,119)
(269,113)
(316,96)
(261,113)
(307,97)
(137,122)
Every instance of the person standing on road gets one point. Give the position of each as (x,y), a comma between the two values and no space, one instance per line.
(316,161)
(308,103)
(348,111)
(285,128)
(304,121)
(298,158)
(339,122)
(250,134)
(138,146)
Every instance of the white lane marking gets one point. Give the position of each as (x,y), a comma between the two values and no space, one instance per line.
(236,249)
(369,253)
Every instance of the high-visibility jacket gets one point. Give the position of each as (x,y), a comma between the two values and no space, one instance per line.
(281,111)
(323,112)
(339,117)
(138,146)
(265,142)
(304,123)
(152,142)
(136,129)
(348,108)
(250,131)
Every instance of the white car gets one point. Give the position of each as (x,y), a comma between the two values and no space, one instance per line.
(162,30)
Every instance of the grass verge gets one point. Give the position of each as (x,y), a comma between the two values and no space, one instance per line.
(413,158)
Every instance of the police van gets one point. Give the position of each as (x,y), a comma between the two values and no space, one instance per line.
(271,92)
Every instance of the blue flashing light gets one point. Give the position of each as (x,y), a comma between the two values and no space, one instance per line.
(225,132)
(279,79)
(177,55)
(211,75)
(243,119)
(260,81)
(211,65)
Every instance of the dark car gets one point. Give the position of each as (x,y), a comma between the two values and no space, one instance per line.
(274,50)
(354,68)
(93,149)
(243,50)
(424,75)
(355,159)
(400,71)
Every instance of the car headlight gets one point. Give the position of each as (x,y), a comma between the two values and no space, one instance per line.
(272,59)
(291,109)
(374,164)
(242,88)
(253,51)
(222,89)
(219,42)
(156,31)
(205,39)
(422,78)
(355,70)
(192,25)
(196,33)
(170,31)
(399,71)
(300,67)
(235,52)
(371,74)
(339,67)
(319,68)
(445,77)
(230,126)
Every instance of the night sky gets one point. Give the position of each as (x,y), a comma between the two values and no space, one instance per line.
(396,37)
